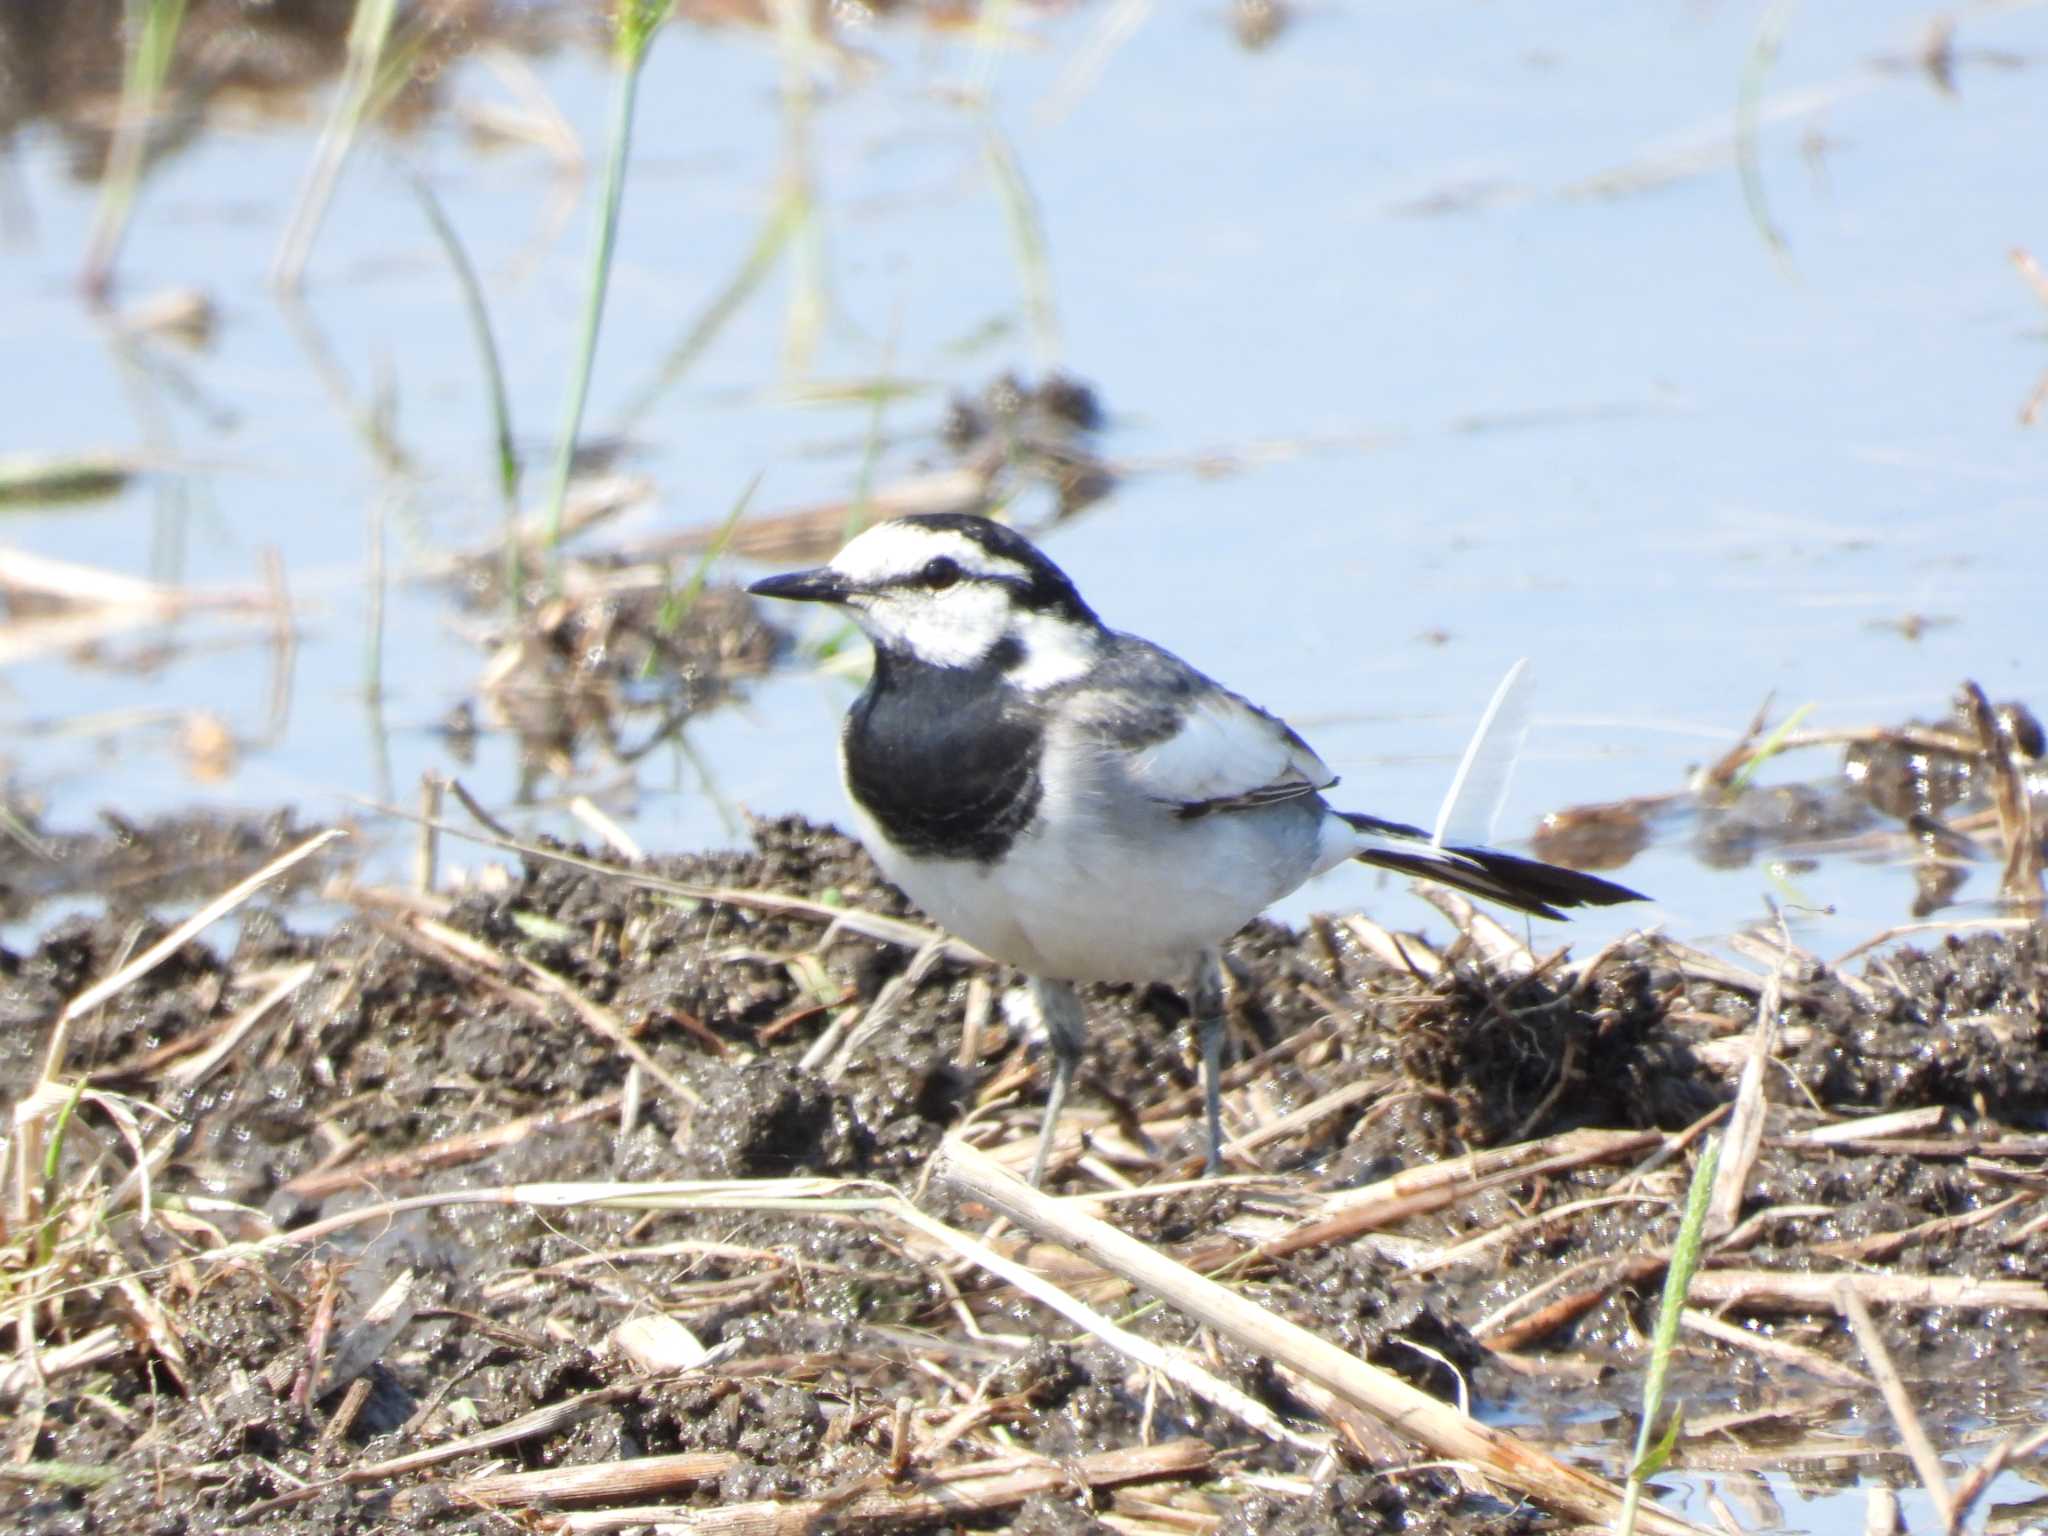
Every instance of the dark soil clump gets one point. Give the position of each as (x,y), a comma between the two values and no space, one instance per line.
(575,1026)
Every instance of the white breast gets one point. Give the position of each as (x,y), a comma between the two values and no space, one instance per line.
(1111,885)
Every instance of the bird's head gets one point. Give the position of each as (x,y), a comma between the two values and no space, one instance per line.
(953,590)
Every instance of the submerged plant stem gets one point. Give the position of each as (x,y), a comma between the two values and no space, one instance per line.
(363,89)
(151,27)
(494,373)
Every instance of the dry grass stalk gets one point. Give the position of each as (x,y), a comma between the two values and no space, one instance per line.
(829,1056)
(414,1161)
(1494,1456)
(1812,1361)
(815,1195)
(602,1021)
(1400,951)
(958,1495)
(1883,1245)
(1500,949)
(608,831)
(90,586)
(82,1353)
(1416,1191)
(2021,879)
(64,1251)
(1866,1128)
(634,1479)
(1172,1364)
(1926,1461)
(2018,1446)
(1336,1101)
(1783,1290)
(1512,1231)
(172,942)
(552,1419)
(93,605)
(199,1068)
(488,966)
(868,925)
(1368,1440)
(1744,1137)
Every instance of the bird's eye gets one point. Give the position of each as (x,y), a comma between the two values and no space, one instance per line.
(940,572)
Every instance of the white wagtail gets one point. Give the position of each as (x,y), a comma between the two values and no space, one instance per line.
(1079,803)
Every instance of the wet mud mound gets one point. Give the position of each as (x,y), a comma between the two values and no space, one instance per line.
(371,1223)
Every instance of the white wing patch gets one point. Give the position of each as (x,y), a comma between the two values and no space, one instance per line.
(1226,752)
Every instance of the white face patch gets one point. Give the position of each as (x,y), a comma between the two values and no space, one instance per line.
(953,628)
(957,626)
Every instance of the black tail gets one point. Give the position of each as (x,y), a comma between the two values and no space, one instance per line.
(1527,885)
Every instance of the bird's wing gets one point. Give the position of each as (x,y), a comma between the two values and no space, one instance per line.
(1189,743)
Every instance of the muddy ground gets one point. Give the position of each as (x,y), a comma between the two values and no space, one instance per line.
(845,1357)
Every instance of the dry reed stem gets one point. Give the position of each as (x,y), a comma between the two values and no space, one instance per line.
(1882,1245)
(2021,878)
(202,1066)
(636,1478)
(94,1348)
(1866,1128)
(549,1420)
(867,925)
(2014,1447)
(1782,1290)
(38,1109)
(1397,951)
(1744,1137)
(1812,1361)
(958,1495)
(1926,1461)
(489,967)
(414,1161)
(1415,1191)
(1493,1455)
(608,831)
(1500,949)
(1172,1364)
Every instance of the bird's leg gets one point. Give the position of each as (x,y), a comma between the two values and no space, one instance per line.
(1205,997)
(1066,1030)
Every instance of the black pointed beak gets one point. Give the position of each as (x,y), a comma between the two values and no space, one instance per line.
(823,585)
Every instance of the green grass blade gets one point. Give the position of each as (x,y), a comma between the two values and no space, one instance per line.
(684,598)
(1651,1455)
(1027,239)
(369,34)
(635,22)
(494,372)
(759,261)
(151,28)
(1767,749)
